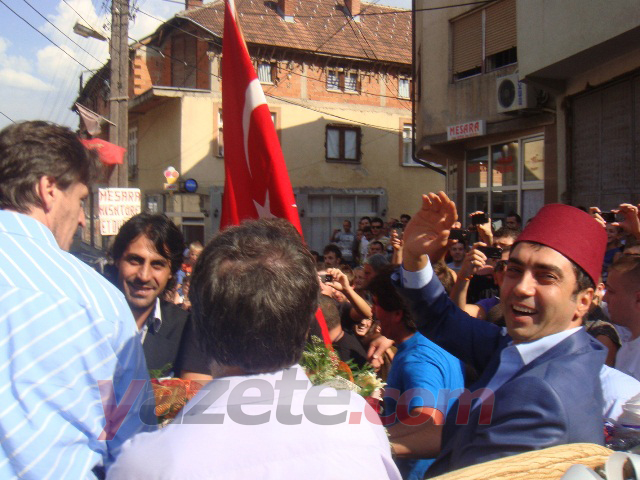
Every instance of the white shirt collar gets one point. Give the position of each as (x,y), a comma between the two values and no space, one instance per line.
(153,322)
(531,350)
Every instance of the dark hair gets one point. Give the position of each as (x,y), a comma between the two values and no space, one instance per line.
(163,233)
(516,216)
(388,298)
(629,266)
(332,248)
(405,215)
(254,291)
(377,220)
(379,243)
(32,150)
(507,232)
(365,218)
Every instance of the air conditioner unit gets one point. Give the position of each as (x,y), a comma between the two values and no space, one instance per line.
(513,95)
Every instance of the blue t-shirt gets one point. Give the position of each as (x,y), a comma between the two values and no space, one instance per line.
(424,375)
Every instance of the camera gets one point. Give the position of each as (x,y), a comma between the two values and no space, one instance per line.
(327,278)
(608,217)
(479,219)
(491,252)
(398,226)
(458,234)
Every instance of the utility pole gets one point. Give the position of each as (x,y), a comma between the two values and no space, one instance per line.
(119,86)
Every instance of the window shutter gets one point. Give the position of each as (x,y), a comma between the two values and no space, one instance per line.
(467,42)
(501,33)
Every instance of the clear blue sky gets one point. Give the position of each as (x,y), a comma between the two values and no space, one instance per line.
(40,81)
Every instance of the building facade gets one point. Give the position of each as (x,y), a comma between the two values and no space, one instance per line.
(535,101)
(337,77)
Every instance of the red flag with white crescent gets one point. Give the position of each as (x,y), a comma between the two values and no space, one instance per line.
(256,179)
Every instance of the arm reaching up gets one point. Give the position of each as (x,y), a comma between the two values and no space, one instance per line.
(427,232)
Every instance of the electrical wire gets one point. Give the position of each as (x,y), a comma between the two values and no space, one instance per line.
(7,117)
(51,41)
(81,17)
(67,36)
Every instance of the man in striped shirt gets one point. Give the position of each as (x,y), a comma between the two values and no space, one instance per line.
(72,371)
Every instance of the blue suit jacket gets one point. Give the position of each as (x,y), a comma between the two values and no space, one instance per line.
(554,400)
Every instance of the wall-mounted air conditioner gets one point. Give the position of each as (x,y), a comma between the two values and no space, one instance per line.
(513,95)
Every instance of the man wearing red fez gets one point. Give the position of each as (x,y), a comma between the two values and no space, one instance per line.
(539,382)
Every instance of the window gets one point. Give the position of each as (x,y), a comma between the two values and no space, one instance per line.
(220,135)
(343,144)
(403,88)
(132,152)
(505,177)
(338,80)
(484,40)
(266,72)
(326,208)
(351,82)
(333,80)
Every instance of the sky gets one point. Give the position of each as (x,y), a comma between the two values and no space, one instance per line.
(39,77)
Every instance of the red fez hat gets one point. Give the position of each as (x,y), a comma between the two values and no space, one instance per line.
(571,232)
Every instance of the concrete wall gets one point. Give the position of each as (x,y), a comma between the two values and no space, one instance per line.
(158,144)
(550,31)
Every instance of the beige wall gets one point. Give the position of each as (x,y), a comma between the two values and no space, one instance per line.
(550,31)
(158,144)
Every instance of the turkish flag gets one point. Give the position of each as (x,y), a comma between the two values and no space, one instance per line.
(109,153)
(256,180)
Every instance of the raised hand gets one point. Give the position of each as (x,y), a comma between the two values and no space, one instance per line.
(631,222)
(427,232)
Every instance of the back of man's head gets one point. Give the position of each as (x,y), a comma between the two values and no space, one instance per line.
(35,149)
(376,261)
(254,292)
(160,230)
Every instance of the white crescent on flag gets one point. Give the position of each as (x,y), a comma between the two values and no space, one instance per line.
(253,98)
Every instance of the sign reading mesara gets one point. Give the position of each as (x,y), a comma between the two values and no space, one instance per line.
(116,206)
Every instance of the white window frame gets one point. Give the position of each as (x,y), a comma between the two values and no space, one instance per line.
(265,72)
(519,187)
(404,88)
(351,82)
(333,80)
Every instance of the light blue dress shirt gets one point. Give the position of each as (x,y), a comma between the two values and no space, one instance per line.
(63,329)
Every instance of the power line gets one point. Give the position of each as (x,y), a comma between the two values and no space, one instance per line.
(78,13)
(7,117)
(51,41)
(67,36)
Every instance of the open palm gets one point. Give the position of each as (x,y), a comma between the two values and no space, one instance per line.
(428,230)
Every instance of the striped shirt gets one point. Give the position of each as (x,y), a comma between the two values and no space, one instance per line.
(63,329)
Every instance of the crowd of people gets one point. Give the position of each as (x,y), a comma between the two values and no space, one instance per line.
(492,340)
